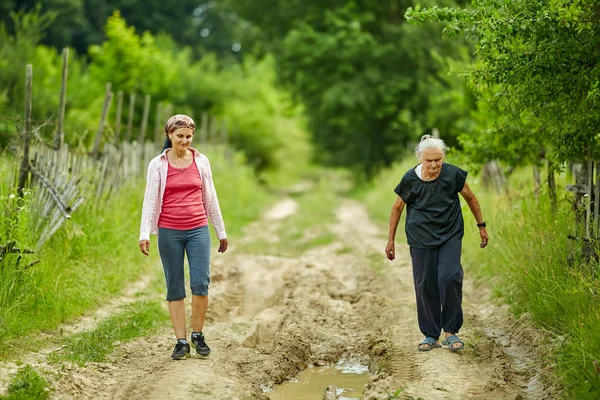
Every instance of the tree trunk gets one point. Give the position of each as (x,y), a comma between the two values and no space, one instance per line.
(492,175)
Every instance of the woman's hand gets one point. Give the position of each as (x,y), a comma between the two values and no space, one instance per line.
(390,251)
(223,245)
(484,237)
(145,246)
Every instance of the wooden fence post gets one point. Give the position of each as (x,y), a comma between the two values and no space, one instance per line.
(145,119)
(118,117)
(59,136)
(107,99)
(130,116)
(25,162)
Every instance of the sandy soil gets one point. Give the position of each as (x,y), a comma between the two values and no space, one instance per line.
(270,317)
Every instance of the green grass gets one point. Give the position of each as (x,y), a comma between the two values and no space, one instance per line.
(526,265)
(91,258)
(94,256)
(27,385)
(529,262)
(139,319)
(307,228)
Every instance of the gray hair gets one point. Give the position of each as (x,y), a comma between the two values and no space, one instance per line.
(429,142)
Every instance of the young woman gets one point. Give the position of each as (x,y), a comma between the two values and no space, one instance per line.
(179,201)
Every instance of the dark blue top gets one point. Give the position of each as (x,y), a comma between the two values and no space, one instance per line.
(433,212)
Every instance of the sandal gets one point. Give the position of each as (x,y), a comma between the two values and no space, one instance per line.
(451,341)
(428,343)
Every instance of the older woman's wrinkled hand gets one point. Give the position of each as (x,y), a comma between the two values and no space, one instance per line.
(145,246)
(390,251)
(484,237)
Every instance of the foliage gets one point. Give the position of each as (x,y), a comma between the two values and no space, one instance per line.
(205,27)
(549,277)
(15,52)
(27,385)
(537,59)
(262,122)
(361,73)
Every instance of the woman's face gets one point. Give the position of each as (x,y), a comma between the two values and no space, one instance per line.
(432,160)
(181,138)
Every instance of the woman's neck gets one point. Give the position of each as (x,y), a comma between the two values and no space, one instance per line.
(427,177)
(180,153)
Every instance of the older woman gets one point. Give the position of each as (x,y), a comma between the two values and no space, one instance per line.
(179,200)
(434,229)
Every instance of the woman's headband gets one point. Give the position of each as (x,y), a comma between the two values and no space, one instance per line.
(179,121)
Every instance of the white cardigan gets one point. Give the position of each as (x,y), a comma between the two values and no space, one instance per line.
(155,189)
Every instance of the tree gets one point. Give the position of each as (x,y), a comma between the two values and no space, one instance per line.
(68,28)
(540,59)
(362,74)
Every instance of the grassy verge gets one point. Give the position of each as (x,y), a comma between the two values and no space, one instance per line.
(94,256)
(134,321)
(539,271)
(527,265)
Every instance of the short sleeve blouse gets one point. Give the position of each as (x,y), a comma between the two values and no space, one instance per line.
(433,210)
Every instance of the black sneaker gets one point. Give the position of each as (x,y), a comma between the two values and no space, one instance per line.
(182,350)
(201,348)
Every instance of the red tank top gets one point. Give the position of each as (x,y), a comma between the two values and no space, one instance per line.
(182,206)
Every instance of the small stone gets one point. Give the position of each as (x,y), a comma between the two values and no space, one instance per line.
(331,393)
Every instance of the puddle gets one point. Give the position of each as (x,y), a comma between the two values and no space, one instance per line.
(349,377)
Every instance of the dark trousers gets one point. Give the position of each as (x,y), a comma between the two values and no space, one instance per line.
(438,277)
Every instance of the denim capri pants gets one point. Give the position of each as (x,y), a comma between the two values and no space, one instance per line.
(172,244)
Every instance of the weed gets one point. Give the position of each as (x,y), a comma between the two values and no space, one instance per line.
(395,395)
(27,385)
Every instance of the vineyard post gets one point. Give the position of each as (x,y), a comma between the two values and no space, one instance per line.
(145,119)
(107,100)
(118,117)
(24,172)
(59,136)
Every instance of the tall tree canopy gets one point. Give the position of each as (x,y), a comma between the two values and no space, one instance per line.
(537,65)
(203,26)
(366,78)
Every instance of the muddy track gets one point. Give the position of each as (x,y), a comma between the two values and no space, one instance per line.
(270,317)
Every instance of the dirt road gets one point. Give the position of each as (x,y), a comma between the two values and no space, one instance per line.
(272,316)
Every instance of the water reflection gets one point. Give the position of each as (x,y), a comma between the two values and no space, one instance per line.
(349,378)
